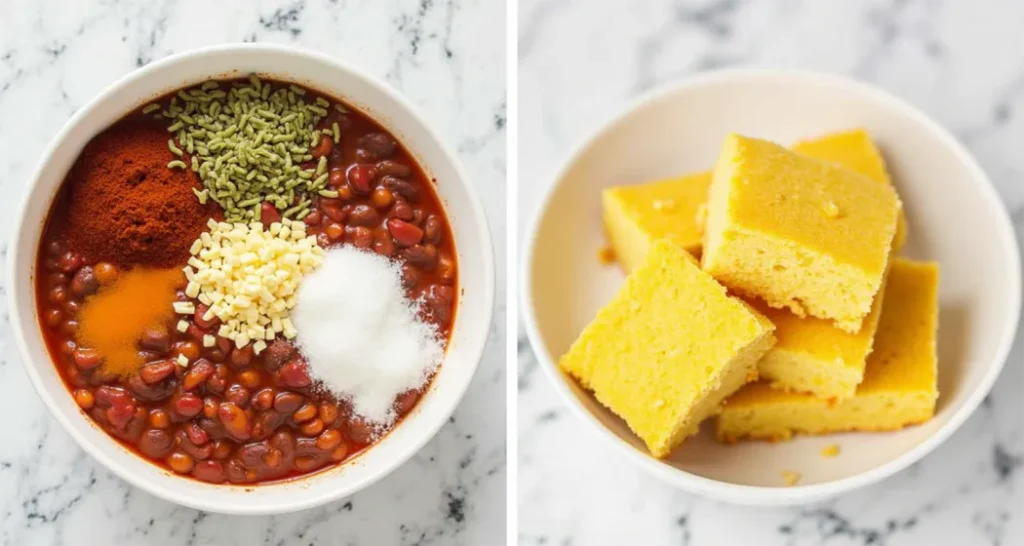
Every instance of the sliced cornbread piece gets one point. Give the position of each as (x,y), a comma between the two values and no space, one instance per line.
(668,348)
(636,216)
(854,150)
(899,386)
(797,232)
(812,355)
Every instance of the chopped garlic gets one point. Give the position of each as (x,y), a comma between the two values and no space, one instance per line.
(182,360)
(184,307)
(182,326)
(248,277)
(209,341)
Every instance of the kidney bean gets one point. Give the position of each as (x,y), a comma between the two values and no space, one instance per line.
(53,249)
(241,358)
(197,374)
(284,441)
(252,454)
(363,215)
(237,394)
(214,427)
(361,237)
(108,396)
(155,372)
(157,339)
(263,399)
(209,471)
(198,453)
(328,440)
(382,243)
(84,282)
(433,229)
(69,262)
(222,449)
(405,233)
(180,462)
(294,374)
(324,147)
(187,405)
(359,178)
(155,443)
(390,167)
(119,414)
(269,214)
(336,178)
(224,345)
(213,322)
(312,219)
(446,268)
(338,213)
(195,433)
(423,256)
(87,358)
(377,145)
(70,327)
(401,210)
(288,402)
(236,472)
(360,431)
(404,188)
(418,216)
(161,390)
(51,264)
(322,240)
(406,401)
(277,353)
(58,295)
(312,427)
(438,301)
(235,421)
(266,423)
(56,279)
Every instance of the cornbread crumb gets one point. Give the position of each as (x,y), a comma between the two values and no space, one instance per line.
(831,209)
(667,205)
(606,255)
(701,217)
(830,450)
(668,348)
(791,478)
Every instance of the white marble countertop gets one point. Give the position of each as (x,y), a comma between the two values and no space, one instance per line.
(55,56)
(580,61)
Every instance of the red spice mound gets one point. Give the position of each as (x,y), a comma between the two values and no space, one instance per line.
(126,206)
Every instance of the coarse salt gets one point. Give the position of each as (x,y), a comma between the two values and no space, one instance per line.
(360,334)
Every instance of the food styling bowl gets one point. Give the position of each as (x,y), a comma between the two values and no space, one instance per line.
(397,115)
(955,217)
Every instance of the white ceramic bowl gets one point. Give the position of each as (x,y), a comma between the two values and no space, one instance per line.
(472,240)
(955,218)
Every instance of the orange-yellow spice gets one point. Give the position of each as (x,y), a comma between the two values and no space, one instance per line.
(113,320)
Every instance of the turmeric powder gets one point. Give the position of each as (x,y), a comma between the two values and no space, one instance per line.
(113,320)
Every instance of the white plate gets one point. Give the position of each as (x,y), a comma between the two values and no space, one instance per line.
(955,218)
(469,228)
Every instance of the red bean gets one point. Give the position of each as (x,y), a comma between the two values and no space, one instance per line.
(200,314)
(338,213)
(294,374)
(405,233)
(69,262)
(382,243)
(269,214)
(312,219)
(235,421)
(359,178)
(180,462)
(87,358)
(200,372)
(288,402)
(58,295)
(363,215)
(328,440)
(433,229)
(401,210)
(423,256)
(155,443)
(238,395)
(240,358)
(195,433)
(334,231)
(157,339)
(209,471)
(336,178)
(390,167)
(53,317)
(188,405)
(361,237)
(84,282)
(323,148)
(155,372)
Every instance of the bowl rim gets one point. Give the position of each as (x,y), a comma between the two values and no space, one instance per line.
(750,494)
(287,503)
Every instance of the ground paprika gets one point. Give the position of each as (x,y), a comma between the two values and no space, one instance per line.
(125,206)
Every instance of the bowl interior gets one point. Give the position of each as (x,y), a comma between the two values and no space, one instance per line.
(468,226)
(954,216)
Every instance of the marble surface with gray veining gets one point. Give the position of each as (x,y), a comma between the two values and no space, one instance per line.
(447,57)
(581,61)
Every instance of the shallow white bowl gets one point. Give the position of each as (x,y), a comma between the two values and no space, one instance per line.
(955,218)
(469,226)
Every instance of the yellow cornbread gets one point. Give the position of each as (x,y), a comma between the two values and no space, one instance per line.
(668,348)
(797,232)
(899,386)
(636,216)
(854,150)
(812,355)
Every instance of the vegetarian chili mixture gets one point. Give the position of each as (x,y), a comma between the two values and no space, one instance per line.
(246,281)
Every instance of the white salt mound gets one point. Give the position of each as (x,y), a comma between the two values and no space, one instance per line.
(361,336)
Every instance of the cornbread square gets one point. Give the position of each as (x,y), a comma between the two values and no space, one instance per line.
(900,381)
(812,355)
(668,348)
(797,232)
(636,216)
(854,150)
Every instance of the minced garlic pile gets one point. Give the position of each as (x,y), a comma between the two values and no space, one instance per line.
(248,277)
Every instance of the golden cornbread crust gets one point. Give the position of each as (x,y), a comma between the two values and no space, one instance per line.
(798,233)
(900,380)
(665,351)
